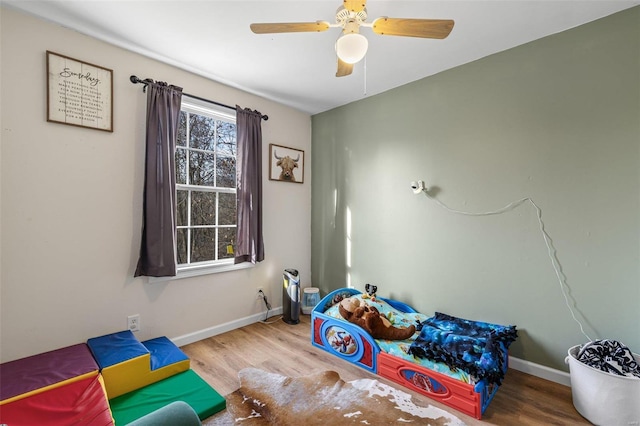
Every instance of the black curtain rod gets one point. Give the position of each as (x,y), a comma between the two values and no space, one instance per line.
(146,81)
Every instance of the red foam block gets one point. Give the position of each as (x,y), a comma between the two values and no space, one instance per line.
(82,402)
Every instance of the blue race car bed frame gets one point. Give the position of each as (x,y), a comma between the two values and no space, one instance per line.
(450,386)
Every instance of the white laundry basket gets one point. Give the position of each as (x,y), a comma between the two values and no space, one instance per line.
(603,398)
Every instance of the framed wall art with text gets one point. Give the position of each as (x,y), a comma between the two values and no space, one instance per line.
(79,93)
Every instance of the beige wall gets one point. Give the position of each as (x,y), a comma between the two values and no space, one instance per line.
(557,120)
(71,206)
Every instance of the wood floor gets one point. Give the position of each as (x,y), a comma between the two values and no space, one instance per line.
(286,349)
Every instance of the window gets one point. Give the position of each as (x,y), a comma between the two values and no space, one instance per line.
(205,186)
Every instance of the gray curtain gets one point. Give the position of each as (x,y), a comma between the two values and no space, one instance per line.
(158,245)
(249,243)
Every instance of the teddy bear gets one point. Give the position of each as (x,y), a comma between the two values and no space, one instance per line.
(369,318)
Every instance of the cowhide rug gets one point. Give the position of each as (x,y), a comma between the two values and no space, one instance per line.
(322,399)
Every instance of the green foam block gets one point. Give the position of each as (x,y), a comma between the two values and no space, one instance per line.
(186,386)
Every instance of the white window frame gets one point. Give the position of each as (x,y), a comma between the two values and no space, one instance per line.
(200,107)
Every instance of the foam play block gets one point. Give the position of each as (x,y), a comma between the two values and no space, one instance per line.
(164,353)
(165,359)
(122,360)
(81,402)
(116,348)
(125,376)
(127,364)
(38,373)
(186,386)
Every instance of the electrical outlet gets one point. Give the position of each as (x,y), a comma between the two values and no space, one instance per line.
(260,293)
(133,322)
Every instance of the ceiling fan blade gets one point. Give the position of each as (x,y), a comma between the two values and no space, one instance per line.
(291,27)
(355,5)
(425,28)
(344,68)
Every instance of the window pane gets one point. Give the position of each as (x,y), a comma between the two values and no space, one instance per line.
(227,209)
(201,132)
(181,237)
(226,172)
(182,129)
(203,242)
(203,208)
(226,237)
(201,168)
(205,156)
(181,165)
(226,141)
(181,211)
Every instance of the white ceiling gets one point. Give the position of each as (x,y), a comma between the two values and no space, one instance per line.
(212,38)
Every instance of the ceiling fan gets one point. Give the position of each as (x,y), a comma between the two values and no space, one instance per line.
(352,46)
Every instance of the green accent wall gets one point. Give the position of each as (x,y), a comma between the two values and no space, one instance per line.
(556,120)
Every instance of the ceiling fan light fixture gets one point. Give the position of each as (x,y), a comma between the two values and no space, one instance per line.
(352,47)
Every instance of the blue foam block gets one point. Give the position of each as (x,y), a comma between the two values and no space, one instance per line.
(115,348)
(163,352)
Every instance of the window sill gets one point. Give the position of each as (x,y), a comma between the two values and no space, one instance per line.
(195,271)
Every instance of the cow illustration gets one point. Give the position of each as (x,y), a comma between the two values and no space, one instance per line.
(287,164)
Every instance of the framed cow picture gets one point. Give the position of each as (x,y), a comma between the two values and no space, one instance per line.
(286,164)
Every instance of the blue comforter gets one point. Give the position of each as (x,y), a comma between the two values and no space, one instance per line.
(478,348)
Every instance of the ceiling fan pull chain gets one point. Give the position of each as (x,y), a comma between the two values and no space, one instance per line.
(365,76)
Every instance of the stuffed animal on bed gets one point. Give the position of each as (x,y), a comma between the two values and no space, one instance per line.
(368,317)
(370,292)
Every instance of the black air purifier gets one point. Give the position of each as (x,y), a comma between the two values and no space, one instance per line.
(291,296)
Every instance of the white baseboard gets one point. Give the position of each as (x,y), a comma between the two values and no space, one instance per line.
(541,371)
(196,336)
(528,367)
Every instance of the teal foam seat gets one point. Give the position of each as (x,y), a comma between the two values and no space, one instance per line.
(163,352)
(175,414)
(186,386)
(112,349)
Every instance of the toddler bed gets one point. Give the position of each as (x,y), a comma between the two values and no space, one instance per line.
(457,362)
